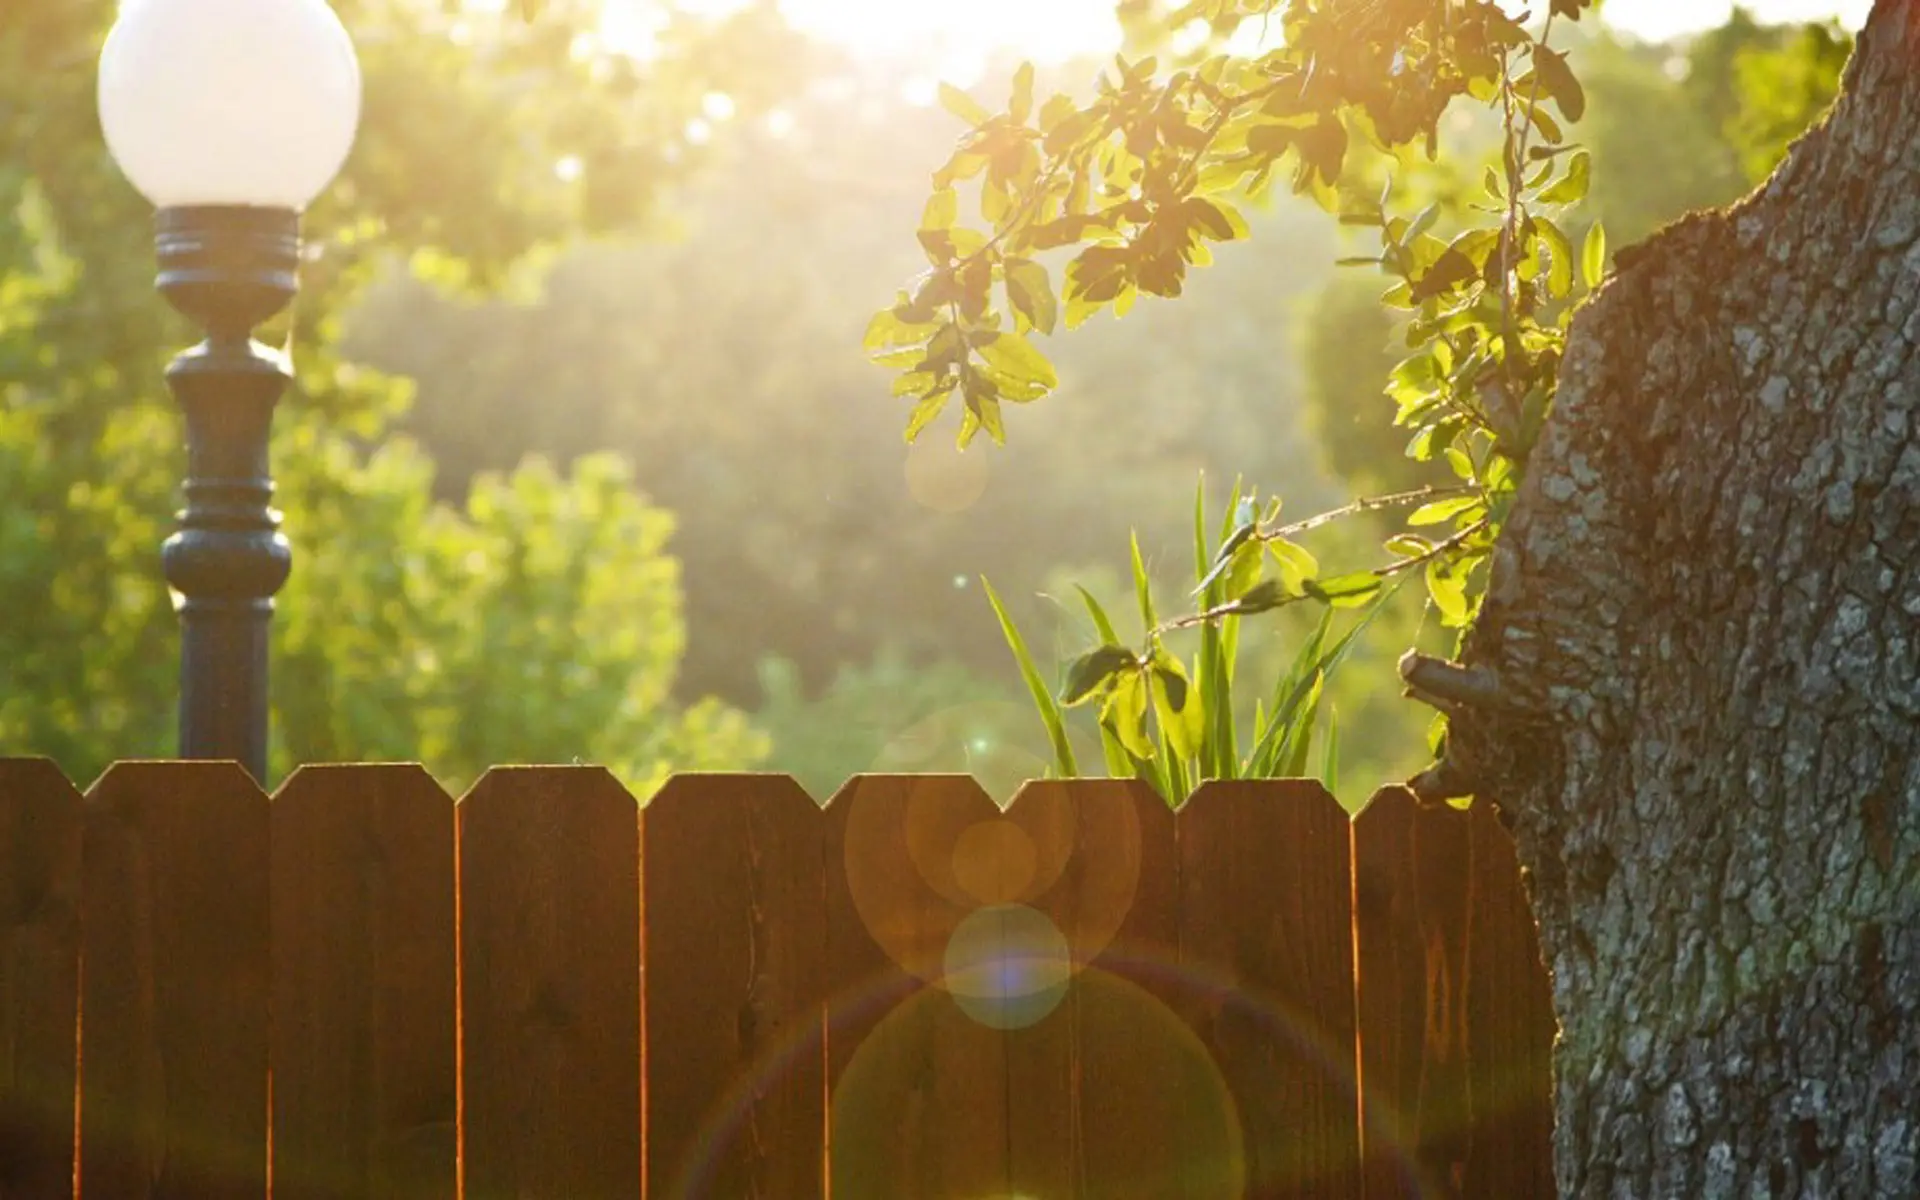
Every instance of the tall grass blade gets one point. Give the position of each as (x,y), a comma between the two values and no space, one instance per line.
(1042,698)
(1330,752)
(1142,587)
(1293,755)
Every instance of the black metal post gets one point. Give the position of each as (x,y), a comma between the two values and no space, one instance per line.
(229,269)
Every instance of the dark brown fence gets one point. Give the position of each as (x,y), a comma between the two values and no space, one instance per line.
(363,989)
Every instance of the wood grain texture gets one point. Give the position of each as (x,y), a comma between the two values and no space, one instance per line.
(1111,1094)
(1413,878)
(919,1100)
(550,985)
(175,987)
(1510,1025)
(364,1085)
(40,823)
(736,952)
(1266,920)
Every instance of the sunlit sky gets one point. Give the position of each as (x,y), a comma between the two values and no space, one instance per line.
(962,30)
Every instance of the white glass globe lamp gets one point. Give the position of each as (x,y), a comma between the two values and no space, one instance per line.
(249,103)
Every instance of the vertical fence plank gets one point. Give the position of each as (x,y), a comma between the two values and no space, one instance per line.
(174,986)
(735,989)
(918,1088)
(550,985)
(1510,1025)
(1266,913)
(39,977)
(1111,1095)
(1412,882)
(364,1089)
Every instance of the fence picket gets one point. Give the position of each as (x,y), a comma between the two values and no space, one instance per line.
(364,1085)
(1265,921)
(1510,1025)
(550,985)
(1412,886)
(39,977)
(866,1002)
(736,986)
(1111,1094)
(918,1088)
(174,1001)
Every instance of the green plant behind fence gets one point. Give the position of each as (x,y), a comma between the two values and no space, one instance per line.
(1171,721)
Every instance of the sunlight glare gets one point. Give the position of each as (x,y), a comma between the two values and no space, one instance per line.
(1048,30)
(960,35)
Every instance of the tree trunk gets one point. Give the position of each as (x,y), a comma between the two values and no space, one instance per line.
(1704,630)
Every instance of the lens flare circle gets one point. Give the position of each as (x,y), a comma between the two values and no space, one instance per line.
(923,1098)
(1008,966)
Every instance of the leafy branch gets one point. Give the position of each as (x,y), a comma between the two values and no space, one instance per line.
(1141,180)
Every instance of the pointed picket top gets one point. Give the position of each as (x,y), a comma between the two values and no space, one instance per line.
(1260,792)
(410,780)
(150,780)
(33,775)
(758,787)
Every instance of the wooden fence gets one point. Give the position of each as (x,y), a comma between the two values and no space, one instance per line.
(364,989)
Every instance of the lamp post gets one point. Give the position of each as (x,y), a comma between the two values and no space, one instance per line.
(230,116)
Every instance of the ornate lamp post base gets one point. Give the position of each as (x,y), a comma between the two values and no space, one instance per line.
(229,269)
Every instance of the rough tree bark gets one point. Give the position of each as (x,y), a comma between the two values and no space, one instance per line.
(1703,628)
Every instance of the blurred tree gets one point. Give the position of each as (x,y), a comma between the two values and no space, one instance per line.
(716,363)
(483,140)
(897,715)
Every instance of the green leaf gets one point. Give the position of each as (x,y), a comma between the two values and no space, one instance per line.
(1345,591)
(943,208)
(1018,358)
(1560,258)
(1020,103)
(1450,268)
(1215,218)
(1593,256)
(1093,670)
(1264,596)
(963,106)
(1030,292)
(1295,563)
(1125,712)
(1558,81)
(1176,706)
(1225,558)
(889,329)
(1571,188)
(1042,699)
(926,411)
(1421,223)
(1440,510)
(1449,591)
